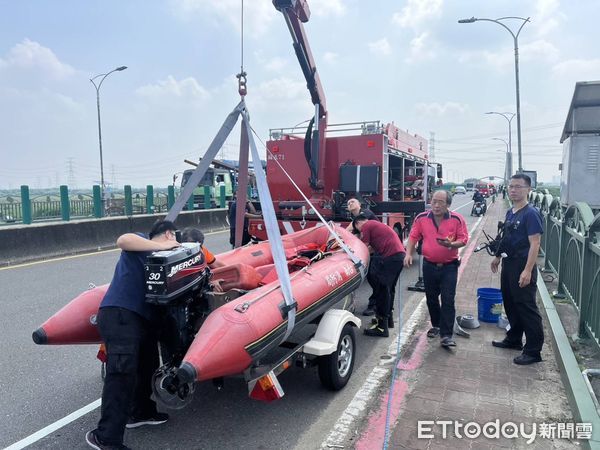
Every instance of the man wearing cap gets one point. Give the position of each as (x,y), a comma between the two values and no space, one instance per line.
(443,232)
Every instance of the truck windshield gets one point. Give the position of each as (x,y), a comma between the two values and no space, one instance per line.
(207,179)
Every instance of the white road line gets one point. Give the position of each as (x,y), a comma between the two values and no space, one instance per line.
(462,206)
(355,410)
(54,426)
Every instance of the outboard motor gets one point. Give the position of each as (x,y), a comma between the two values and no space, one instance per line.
(176,282)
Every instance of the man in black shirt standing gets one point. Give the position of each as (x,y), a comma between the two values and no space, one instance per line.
(521,243)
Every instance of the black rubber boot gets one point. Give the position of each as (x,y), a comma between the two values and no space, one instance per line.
(379,329)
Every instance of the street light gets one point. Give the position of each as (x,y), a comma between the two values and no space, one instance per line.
(509,120)
(516,44)
(97,86)
(508,161)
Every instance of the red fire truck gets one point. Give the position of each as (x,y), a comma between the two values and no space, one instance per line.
(387,168)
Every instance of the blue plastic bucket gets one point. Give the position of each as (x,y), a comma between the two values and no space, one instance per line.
(489,304)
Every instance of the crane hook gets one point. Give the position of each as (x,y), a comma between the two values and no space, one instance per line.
(242,83)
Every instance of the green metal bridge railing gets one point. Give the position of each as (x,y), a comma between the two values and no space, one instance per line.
(571,246)
(62,207)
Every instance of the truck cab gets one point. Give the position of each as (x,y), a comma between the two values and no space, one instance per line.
(214,179)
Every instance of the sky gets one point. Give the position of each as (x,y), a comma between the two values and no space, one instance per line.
(406,61)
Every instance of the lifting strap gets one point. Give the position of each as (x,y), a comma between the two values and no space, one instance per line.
(273,233)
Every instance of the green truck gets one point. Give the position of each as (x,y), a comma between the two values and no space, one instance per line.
(213,179)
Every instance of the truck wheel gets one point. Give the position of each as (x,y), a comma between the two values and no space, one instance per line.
(335,369)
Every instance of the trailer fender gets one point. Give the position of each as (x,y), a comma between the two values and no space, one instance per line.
(326,338)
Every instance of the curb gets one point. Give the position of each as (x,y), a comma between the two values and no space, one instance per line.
(578,395)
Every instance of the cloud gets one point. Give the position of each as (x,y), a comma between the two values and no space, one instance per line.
(417,12)
(188,90)
(578,69)
(324,8)
(381,47)
(504,59)
(548,17)
(330,57)
(421,48)
(30,55)
(258,14)
(441,109)
(275,64)
(283,98)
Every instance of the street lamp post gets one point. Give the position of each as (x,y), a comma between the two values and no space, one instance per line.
(508,159)
(509,117)
(516,44)
(97,86)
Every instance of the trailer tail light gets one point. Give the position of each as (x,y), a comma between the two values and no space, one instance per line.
(101,355)
(370,144)
(266,388)
(275,149)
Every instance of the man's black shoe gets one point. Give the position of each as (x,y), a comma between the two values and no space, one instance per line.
(447,341)
(507,344)
(379,328)
(433,332)
(368,312)
(524,360)
(156,419)
(92,440)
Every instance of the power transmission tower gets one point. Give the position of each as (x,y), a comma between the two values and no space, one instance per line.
(113,177)
(71,171)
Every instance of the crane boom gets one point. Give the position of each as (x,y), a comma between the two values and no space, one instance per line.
(295,13)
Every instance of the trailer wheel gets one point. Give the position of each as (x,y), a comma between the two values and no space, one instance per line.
(335,369)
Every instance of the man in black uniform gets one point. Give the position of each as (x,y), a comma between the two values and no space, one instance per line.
(521,242)
(250,213)
(126,325)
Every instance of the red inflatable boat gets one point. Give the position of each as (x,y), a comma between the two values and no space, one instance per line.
(235,332)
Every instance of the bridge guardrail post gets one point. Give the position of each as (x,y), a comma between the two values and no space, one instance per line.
(128,200)
(170,196)
(25,205)
(149,199)
(65,206)
(98,213)
(585,313)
